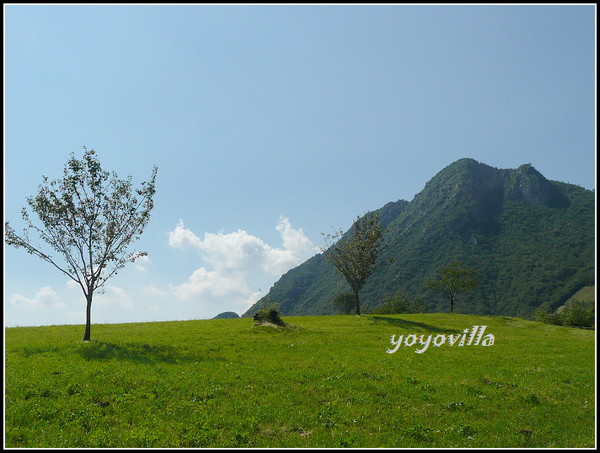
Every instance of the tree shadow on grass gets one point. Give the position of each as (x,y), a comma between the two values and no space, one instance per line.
(138,353)
(406,324)
(32,350)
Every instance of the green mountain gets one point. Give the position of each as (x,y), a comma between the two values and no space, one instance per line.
(531,241)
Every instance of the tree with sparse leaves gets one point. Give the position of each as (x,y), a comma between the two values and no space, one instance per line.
(355,255)
(89,217)
(452,280)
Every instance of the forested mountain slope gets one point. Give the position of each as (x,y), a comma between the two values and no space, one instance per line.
(530,240)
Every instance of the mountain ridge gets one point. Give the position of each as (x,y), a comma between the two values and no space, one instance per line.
(530,239)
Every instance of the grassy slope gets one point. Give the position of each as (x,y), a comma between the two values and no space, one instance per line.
(586,294)
(327,383)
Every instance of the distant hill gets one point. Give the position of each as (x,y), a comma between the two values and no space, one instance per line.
(531,241)
(227,315)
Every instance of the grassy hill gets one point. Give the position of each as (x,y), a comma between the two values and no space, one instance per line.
(530,240)
(586,294)
(327,382)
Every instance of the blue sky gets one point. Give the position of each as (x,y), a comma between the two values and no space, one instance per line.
(270,125)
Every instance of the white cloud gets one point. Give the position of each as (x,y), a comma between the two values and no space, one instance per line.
(295,239)
(113,296)
(233,256)
(240,252)
(153,291)
(215,292)
(46,296)
(180,238)
(204,284)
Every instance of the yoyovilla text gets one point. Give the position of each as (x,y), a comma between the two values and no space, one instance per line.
(475,338)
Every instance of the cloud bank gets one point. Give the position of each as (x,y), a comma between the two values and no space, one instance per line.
(232,257)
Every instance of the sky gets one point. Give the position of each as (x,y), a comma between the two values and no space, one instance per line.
(272,124)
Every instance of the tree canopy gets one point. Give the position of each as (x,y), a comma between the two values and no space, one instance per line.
(89,217)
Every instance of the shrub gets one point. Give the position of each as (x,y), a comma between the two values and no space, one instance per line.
(270,314)
(547,317)
(576,314)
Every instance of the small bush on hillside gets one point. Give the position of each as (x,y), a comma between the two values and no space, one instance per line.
(269,314)
(344,303)
(400,303)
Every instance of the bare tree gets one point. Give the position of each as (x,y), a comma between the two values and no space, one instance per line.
(89,217)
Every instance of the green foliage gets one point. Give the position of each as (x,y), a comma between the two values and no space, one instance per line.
(326,384)
(344,303)
(400,303)
(574,314)
(578,314)
(269,314)
(546,316)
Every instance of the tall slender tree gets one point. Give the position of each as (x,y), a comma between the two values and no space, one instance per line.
(89,217)
(355,255)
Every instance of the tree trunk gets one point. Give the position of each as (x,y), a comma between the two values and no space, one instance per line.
(88,317)
(451,304)
(357,303)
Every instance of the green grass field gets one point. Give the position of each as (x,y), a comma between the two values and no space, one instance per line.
(328,382)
